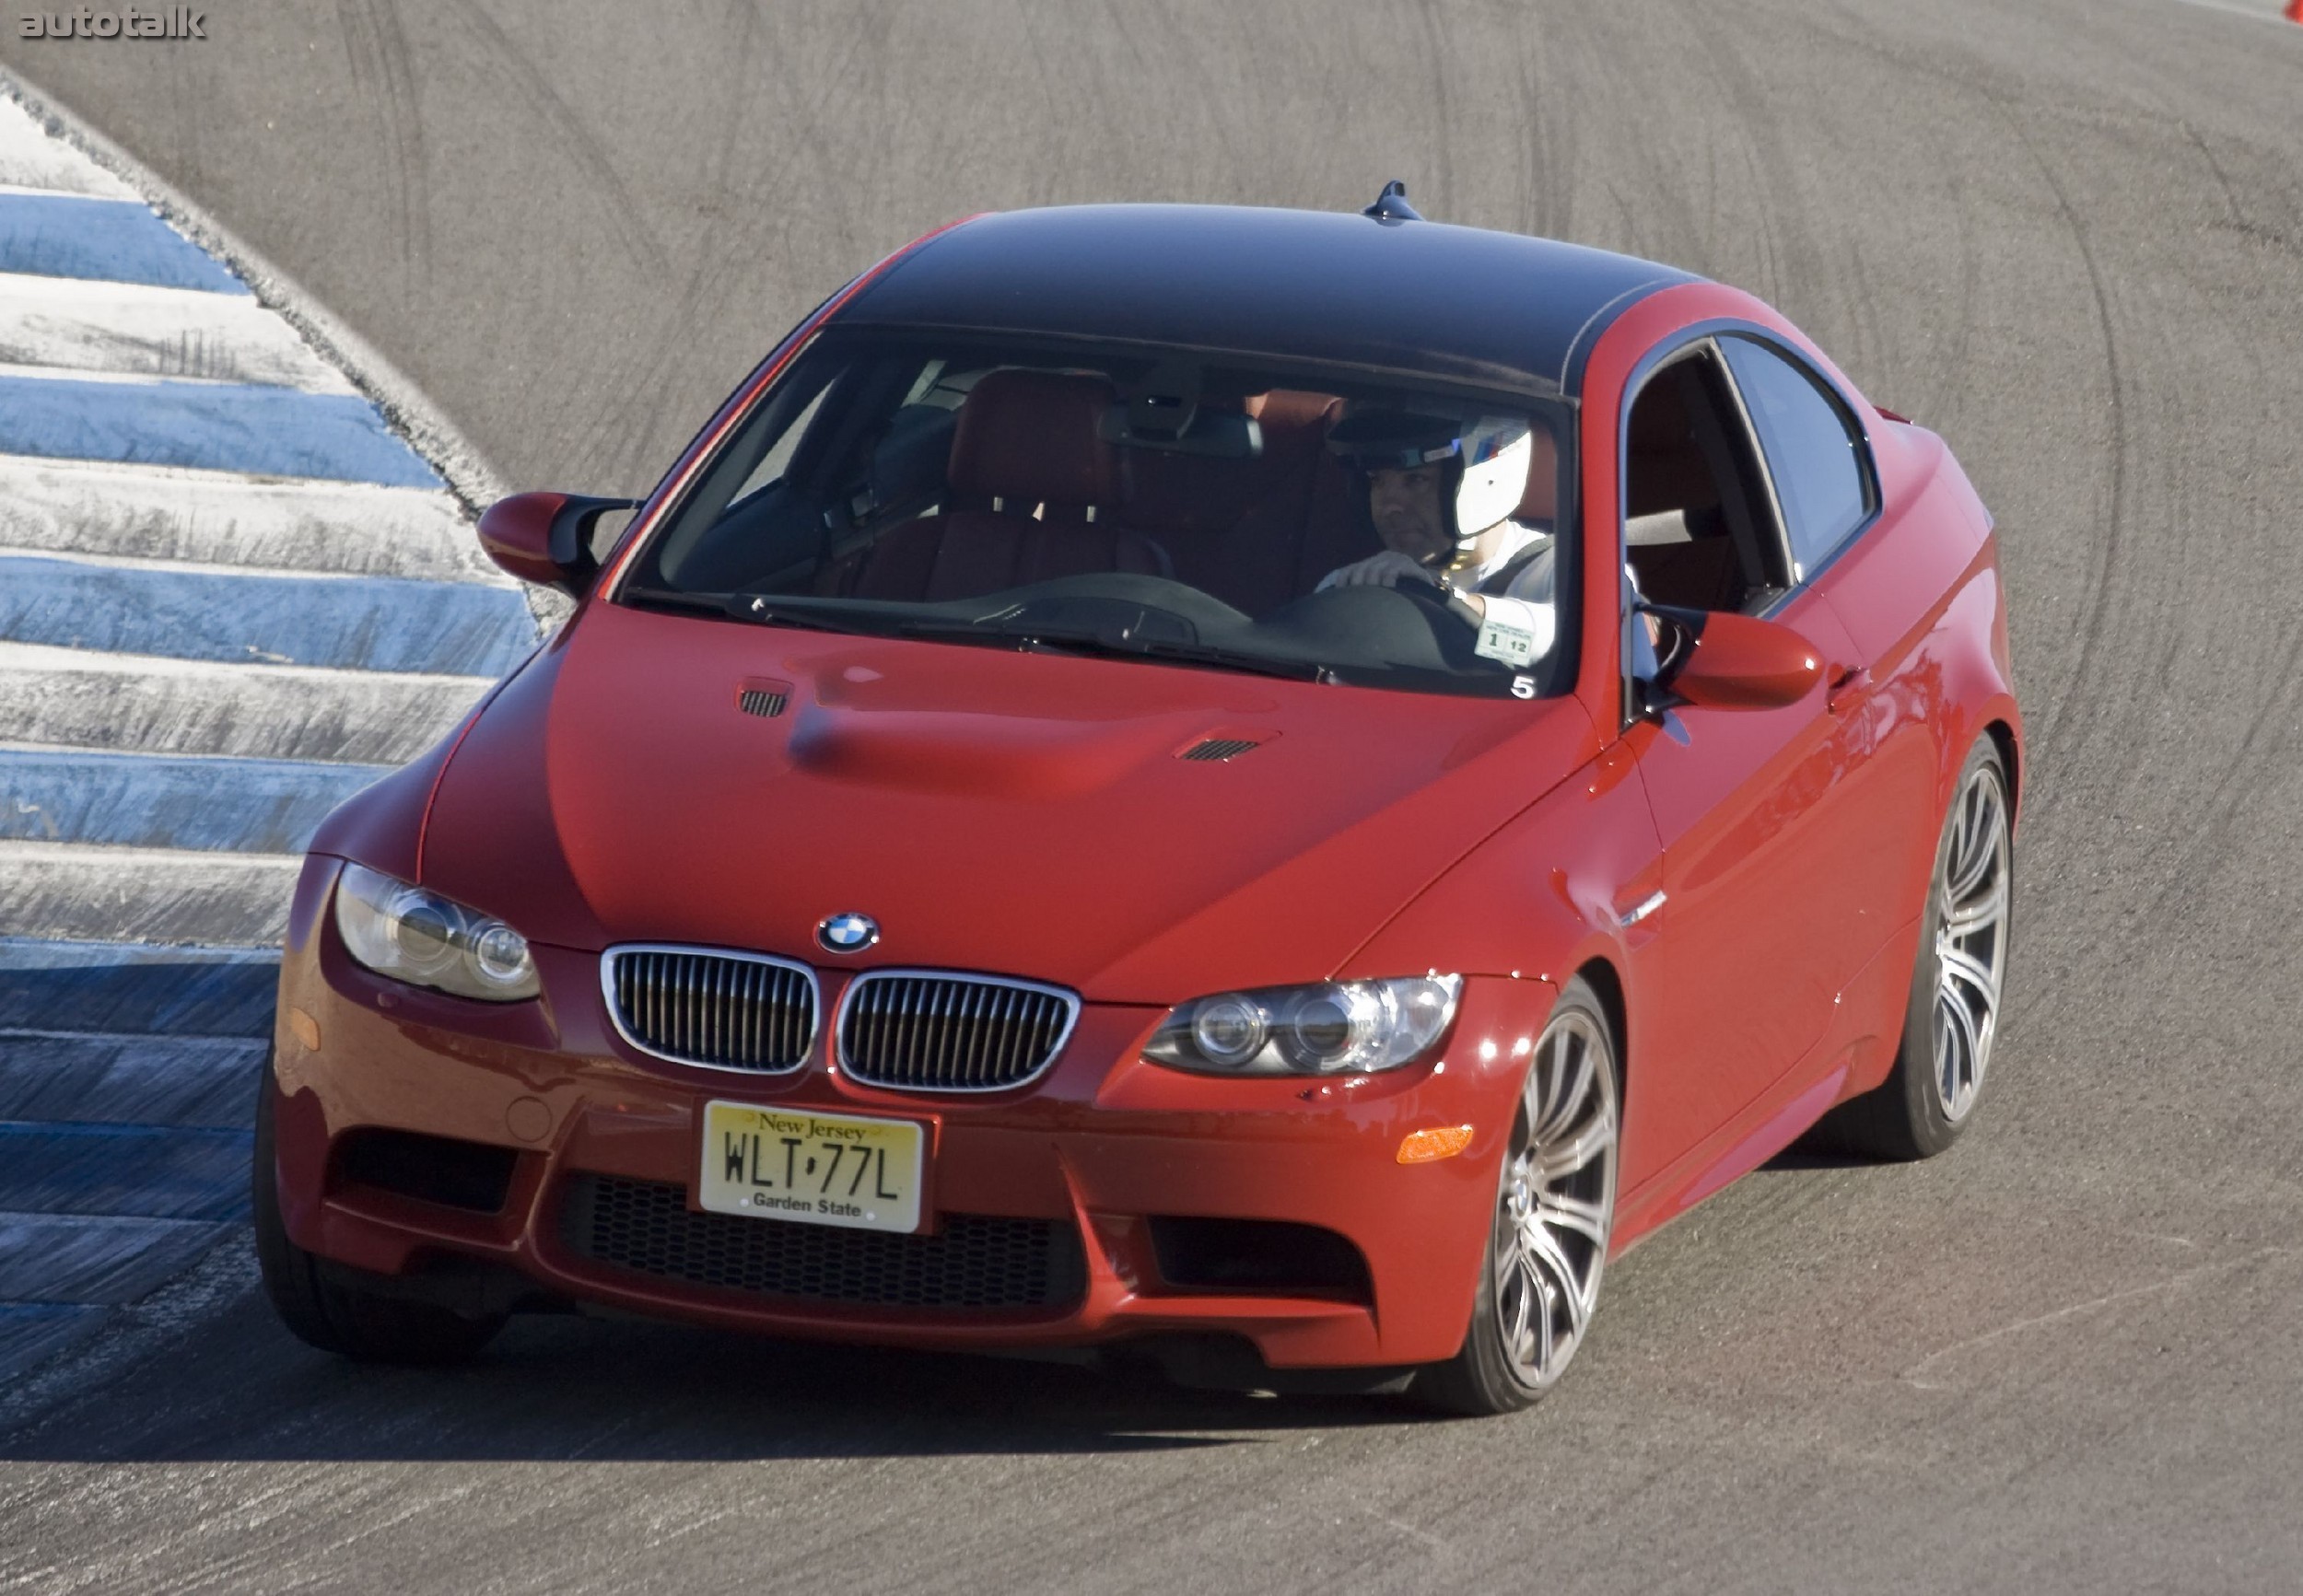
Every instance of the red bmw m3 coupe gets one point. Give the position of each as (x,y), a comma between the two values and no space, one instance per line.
(1263,787)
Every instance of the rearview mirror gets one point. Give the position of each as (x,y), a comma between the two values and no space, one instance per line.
(1731,661)
(546,538)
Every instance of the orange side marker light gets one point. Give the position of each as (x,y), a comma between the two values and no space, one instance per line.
(1430,1146)
(306,1028)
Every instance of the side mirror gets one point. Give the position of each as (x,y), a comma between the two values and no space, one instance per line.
(546,538)
(1731,661)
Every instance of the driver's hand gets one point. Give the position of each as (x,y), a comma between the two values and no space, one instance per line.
(1384,570)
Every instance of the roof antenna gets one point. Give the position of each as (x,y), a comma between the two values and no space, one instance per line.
(1391,205)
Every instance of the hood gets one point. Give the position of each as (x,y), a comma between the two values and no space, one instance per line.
(1020,814)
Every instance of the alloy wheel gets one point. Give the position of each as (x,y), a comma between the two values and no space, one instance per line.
(1971,941)
(1558,1202)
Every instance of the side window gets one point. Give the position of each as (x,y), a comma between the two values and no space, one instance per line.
(1812,453)
(1697,531)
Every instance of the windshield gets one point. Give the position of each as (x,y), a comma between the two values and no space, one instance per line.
(1178,508)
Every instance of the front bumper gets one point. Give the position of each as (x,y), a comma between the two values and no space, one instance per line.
(1106,1150)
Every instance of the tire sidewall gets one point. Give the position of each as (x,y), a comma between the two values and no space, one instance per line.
(1932,1131)
(1481,1377)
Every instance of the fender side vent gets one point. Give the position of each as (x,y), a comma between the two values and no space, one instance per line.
(1218,749)
(761,702)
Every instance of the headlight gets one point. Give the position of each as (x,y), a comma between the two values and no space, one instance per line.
(1335,1028)
(423,938)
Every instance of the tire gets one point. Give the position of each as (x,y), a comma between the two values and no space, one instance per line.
(1952,1017)
(321,1303)
(1555,1209)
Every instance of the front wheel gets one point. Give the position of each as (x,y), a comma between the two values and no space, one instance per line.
(321,1303)
(1554,1211)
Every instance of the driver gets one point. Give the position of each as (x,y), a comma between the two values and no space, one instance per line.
(1442,494)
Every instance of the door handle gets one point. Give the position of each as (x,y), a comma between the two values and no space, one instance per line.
(1849,689)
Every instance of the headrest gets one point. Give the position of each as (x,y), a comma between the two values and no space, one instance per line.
(1292,410)
(1029,436)
(1186,493)
(1656,530)
(1541,501)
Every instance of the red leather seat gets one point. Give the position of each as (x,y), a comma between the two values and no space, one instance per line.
(1685,559)
(1235,527)
(1028,492)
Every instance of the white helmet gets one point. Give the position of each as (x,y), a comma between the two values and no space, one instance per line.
(1498,452)
(1494,456)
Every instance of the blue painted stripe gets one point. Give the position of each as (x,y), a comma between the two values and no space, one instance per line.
(360,623)
(210,425)
(148,1171)
(32,1332)
(136,988)
(201,1082)
(113,240)
(61,1258)
(256,806)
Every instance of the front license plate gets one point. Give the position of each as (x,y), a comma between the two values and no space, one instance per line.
(819,1168)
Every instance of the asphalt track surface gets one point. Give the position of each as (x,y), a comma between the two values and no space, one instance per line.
(2067,1357)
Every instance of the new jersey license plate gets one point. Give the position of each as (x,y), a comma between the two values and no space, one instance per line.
(818,1168)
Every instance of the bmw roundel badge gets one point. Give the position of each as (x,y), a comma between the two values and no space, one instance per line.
(847,933)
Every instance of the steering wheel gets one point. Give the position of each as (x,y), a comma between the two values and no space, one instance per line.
(1428,594)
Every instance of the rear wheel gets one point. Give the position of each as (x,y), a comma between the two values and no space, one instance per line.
(321,1302)
(1554,1211)
(1953,1018)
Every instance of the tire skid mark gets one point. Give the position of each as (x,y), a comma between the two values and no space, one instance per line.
(2104,573)
(2183,1280)
(580,142)
(376,47)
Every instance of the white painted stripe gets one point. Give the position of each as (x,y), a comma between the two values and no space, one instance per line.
(63,891)
(223,519)
(36,373)
(145,565)
(31,158)
(208,674)
(84,698)
(71,324)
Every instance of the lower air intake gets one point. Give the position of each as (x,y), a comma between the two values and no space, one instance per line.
(975,1262)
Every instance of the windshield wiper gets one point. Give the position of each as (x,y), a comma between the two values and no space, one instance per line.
(1043,639)
(671,599)
(744,607)
(1054,640)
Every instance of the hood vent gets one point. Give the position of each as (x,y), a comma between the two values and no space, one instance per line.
(1216,749)
(766,699)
